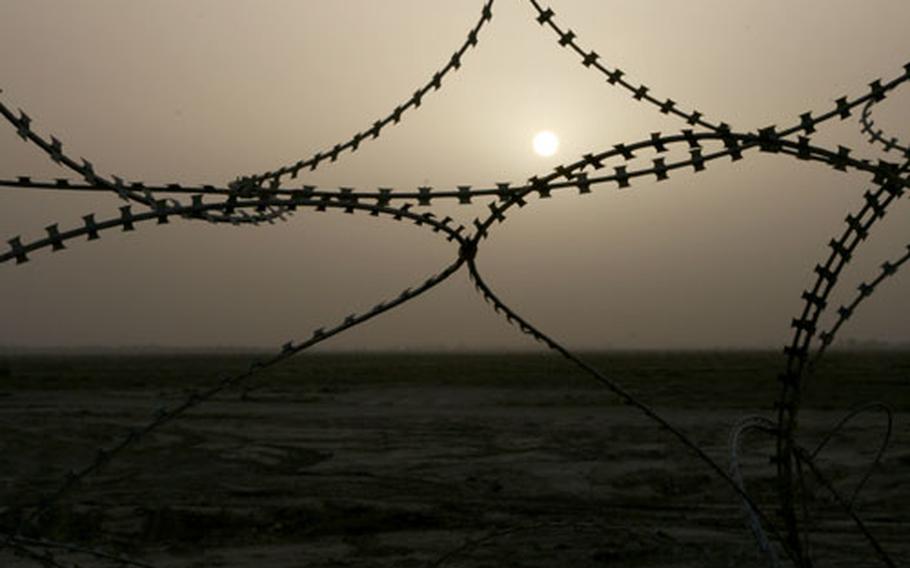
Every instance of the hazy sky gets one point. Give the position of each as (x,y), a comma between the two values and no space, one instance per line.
(206,90)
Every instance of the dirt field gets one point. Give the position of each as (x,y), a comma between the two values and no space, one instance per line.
(437,460)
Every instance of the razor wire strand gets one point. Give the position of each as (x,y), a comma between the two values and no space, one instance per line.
(393,117)
(844,312)
(815,302)
(838,161)
(768,139)
(128,191)
(127,221)
(164,415)
(807,124)
(137,191)
(84,230)
(471,247)
(865,290)
(514,319)
(734,145)
(878,136)
(616,76)
(859,164)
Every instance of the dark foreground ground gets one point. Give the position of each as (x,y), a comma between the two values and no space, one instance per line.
(437,460)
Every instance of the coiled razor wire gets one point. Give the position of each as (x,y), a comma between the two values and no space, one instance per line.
(264,197)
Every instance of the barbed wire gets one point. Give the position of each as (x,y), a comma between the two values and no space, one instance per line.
(136,191)
(394,117)
(616,76)
(766,426)
(261,198)
(164,212)
(767,138)
(865,290)
(522,324)
(877,136)
(128,191)
(815,302)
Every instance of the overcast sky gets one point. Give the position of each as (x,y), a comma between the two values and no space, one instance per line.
(206,90)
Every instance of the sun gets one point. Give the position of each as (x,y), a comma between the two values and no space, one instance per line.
(545,143)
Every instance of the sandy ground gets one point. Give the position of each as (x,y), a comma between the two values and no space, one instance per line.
(423,475)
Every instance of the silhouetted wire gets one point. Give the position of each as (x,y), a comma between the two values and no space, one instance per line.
(394,117)
(886,439)
(803,457)
(769,135)
(877,136)
(136,191)
(165,415)
(616,76)
(128,191)
(247,200)
(815,303)
(865,291)
(513,318)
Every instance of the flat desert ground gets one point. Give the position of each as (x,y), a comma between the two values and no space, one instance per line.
(416,460)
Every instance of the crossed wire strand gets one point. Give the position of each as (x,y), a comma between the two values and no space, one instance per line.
(268,200)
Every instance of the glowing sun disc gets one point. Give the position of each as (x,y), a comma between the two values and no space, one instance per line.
(545,143)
